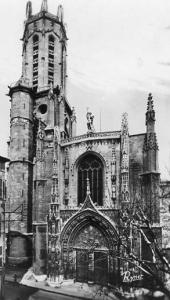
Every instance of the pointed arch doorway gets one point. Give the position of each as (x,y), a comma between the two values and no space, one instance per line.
(89,244)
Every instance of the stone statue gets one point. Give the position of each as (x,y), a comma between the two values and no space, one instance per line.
(90,118)
(51,92)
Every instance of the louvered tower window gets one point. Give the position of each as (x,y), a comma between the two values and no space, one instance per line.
(51,59)
(35,61)
(90,167)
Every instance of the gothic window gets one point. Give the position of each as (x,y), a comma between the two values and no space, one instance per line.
(51,59)
(35,61)
(125,180)
(90,167)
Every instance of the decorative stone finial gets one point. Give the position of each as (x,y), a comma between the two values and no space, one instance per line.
(150,113)
(29,9)
(150,103)
(88,187)
(124,126)
(44,5)
(60,13)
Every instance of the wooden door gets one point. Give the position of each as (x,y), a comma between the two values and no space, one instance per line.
(101,267)
(81,265)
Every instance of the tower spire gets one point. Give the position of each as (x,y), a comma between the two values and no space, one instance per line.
(44,5)
(150,176)
(150,147)
(150,114)
(150,103)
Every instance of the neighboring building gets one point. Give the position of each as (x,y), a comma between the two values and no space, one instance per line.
(3,161)
(165,213)
(71,188)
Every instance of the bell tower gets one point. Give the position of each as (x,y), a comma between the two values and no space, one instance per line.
(44,49)
(38,100)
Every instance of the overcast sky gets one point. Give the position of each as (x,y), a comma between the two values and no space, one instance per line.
(118,52)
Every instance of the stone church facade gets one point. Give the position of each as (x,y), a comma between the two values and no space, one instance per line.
(70,189)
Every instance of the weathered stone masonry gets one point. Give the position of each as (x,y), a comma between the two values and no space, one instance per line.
(72,188)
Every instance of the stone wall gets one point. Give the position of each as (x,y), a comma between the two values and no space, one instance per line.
(165,213)
(135,165)
(103,149)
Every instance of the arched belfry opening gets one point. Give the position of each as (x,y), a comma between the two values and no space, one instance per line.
(90,166)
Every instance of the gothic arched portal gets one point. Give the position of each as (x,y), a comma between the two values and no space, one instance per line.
(90,166)
(89,244)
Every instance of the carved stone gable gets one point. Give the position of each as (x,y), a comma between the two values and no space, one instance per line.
(88,203)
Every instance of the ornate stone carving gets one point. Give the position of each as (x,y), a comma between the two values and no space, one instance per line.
(66,176)
(51,92)
(54,219)
(19,122)
(150,142)
(95,136)
(90,118)
(90,237)
(113,174)
(150,114)
(124,159)
(89,146)
(85,218)
(40,155)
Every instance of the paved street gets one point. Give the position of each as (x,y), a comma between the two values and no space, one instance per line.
(42,295)
(14,291)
